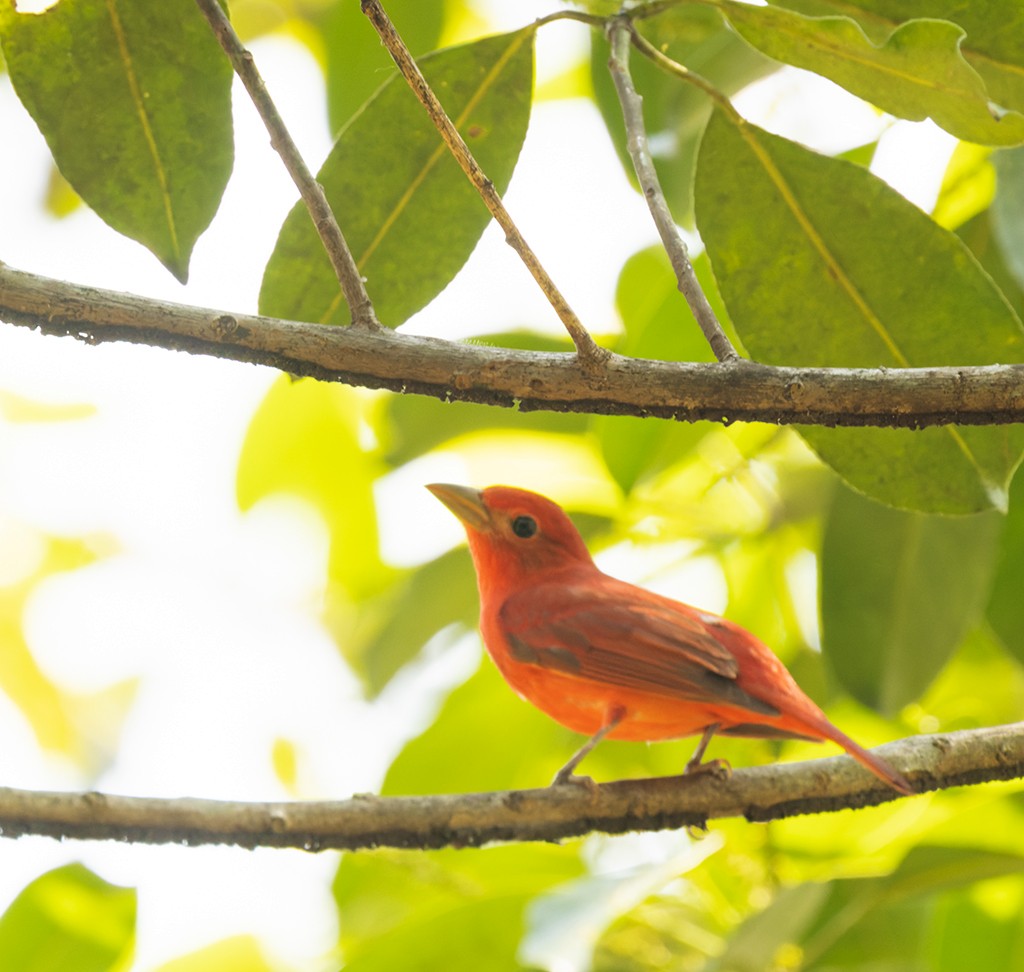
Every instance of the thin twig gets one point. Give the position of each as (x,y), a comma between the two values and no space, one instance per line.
(619,34)
(588,351)
(681,390)
(345,267)
(554,813)
(666,63)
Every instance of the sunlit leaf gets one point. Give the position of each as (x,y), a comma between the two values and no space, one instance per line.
(52,713)
(917,72)
(394,627)
(822,264)
(61,199)
(284,759)
(409,214)
(1006,606)
(658,324)
(565,923)
(979,235)
(968,186)
(889,920)
(16,408)
(969,934)
(898,592)
(68,919)
(981,685)
(759,940)
(443,909)
(138,115)
(1008,210)
(242,952)
(304,441)
(854,924)
(993,27)
(413,425)
(469,747)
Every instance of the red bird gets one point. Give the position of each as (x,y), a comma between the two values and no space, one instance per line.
(608,659)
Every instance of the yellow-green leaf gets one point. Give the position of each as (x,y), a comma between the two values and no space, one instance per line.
(69,919)
(134,100)
(821,264)
(408,212)
(917,72)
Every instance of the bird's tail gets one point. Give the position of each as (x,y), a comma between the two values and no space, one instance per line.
(882,769)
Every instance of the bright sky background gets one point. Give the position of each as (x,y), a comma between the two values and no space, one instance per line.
(209,607)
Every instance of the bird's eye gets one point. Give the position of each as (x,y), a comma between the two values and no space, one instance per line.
(524,527)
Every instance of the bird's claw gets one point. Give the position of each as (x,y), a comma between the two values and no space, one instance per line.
(569,778)
(718,768)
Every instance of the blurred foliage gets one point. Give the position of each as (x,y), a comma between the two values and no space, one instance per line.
(69,918)
(899,618)
(242,953)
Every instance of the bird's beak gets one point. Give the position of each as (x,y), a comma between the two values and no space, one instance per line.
(467,504)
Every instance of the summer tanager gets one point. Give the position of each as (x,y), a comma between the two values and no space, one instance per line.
(608,659)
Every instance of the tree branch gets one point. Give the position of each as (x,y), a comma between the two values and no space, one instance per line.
(344,264)
(686,391)
(619,35)
(760,794)
(590,353)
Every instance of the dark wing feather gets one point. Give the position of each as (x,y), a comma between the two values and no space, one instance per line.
(611,632)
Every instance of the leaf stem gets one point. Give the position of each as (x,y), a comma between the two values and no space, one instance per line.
(345,268)
(620,32)
(588,351)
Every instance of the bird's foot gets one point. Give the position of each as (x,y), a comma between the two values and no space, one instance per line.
(566,777)
(718,768)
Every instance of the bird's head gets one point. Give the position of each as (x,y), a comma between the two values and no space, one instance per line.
(513,532)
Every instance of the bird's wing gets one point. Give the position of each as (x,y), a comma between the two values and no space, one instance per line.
(611,632)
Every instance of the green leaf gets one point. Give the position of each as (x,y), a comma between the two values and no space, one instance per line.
(1006,606)
(393,628)
(240,952)
(1008,210)
(134,100)
(409,214)
(979,235)
(885,922)
(68,919)
(823,265)
(469,747)
(992,45)
(566,922)
(676,113)
(968,186)
(487,738)
(303,441)
(356,61)
(754,944)
(659,325)
(864,923)
(967,934)
(447,909)
(899,591)
(413,425)
(917,72)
